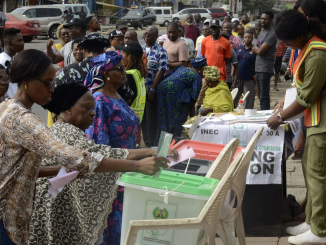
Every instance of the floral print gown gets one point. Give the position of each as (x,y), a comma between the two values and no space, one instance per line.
(116,125)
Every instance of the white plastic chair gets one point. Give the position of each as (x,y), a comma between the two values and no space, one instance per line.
(234,219)
(222,162)
(245,97)
(234,93)
(206,220)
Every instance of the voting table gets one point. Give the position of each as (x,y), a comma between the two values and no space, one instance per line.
(263,201)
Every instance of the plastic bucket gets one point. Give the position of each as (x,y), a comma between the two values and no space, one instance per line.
(142,201)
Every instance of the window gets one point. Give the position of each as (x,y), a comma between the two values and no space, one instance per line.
(42,12)
(31,13)
(158,11)
(54,12)
(202,11)
(167,11)
(186,11)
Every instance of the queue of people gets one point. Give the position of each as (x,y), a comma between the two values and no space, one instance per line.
(107,92)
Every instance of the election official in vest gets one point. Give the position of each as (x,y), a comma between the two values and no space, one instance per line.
(307,38)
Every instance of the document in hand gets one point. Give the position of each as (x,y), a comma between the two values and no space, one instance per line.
(58,182)
(163,148)
(290,95)
(184,154)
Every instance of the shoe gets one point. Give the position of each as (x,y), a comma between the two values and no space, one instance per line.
(307,238)
(276,89)
(299,229)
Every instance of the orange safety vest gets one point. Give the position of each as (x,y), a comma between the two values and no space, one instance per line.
(311,114)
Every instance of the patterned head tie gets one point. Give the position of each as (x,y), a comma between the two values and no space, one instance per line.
(200,61)
(211,73)
(100,64)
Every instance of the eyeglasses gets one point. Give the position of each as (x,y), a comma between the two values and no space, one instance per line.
(4,80)
(120,68)
(48,84)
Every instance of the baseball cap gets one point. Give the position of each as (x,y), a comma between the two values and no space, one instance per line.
(94,37)
(122,26)
(215,22)
(75,22)
(132,48)
(115,33)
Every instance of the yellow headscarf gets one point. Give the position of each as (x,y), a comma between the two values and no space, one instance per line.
(211,73)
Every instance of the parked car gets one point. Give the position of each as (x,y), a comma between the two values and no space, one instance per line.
(181,15)
(163,15)
(75,8)
(49,16)
(218,13)
(28,27)
(139,18)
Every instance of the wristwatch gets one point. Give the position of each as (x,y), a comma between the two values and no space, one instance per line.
(151,89)
(279,117)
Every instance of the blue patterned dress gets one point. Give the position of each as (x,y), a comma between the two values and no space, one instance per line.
(116,125)
(174,95)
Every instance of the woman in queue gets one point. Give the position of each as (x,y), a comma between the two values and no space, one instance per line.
(132,54)
(308,68)
(115,124)
(80,210)
(24,140)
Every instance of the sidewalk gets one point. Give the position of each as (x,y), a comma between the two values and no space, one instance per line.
(295,180)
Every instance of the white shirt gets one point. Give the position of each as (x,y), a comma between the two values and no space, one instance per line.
(66,53)
(13,87)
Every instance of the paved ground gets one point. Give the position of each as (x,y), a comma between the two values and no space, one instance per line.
(295,181)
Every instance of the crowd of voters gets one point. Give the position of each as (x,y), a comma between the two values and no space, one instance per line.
(105,94)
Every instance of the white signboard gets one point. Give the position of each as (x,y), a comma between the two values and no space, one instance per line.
(266,162)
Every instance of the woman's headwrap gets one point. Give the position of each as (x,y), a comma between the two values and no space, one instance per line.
(211,73)
(200,61)
(65,96)
(100,64)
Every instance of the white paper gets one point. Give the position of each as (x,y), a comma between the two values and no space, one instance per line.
(184,154)
(290,96)
(58,182)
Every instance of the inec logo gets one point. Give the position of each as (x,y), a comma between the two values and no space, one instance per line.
(159,213)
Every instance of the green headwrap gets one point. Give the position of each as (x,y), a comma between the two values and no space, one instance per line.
(211,73)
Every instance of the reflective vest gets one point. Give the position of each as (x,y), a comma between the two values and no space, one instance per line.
(311,114)
(138,105)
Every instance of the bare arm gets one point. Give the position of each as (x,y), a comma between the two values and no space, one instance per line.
(47,171)
(137,154)
(177,64)
(263,48)
(56,58)
(157,80)
(235,73)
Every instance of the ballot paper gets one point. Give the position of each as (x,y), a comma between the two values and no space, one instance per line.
(184,155)
(163,148)
(58,182)
(290,96)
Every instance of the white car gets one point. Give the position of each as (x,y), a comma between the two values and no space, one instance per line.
(182,15)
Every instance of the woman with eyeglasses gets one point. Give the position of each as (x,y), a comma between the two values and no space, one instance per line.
(25,140)
(115,124)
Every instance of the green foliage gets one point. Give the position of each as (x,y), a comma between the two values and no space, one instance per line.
(257,4)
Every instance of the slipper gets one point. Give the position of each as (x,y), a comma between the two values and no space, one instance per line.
(276,89)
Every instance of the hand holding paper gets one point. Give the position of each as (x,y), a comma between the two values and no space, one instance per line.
(184,155)
(58,182)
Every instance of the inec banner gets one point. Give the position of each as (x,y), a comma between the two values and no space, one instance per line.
(266,162)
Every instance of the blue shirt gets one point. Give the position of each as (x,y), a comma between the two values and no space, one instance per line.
(157,58)
(246,63)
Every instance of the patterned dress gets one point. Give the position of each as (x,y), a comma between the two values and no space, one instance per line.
(116,125)
(175,93)
(24,140)
(78,214)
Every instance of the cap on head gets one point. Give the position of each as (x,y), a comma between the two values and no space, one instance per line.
(215,22)
(93,37)
(115,33)
(76,22)
(132,48)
